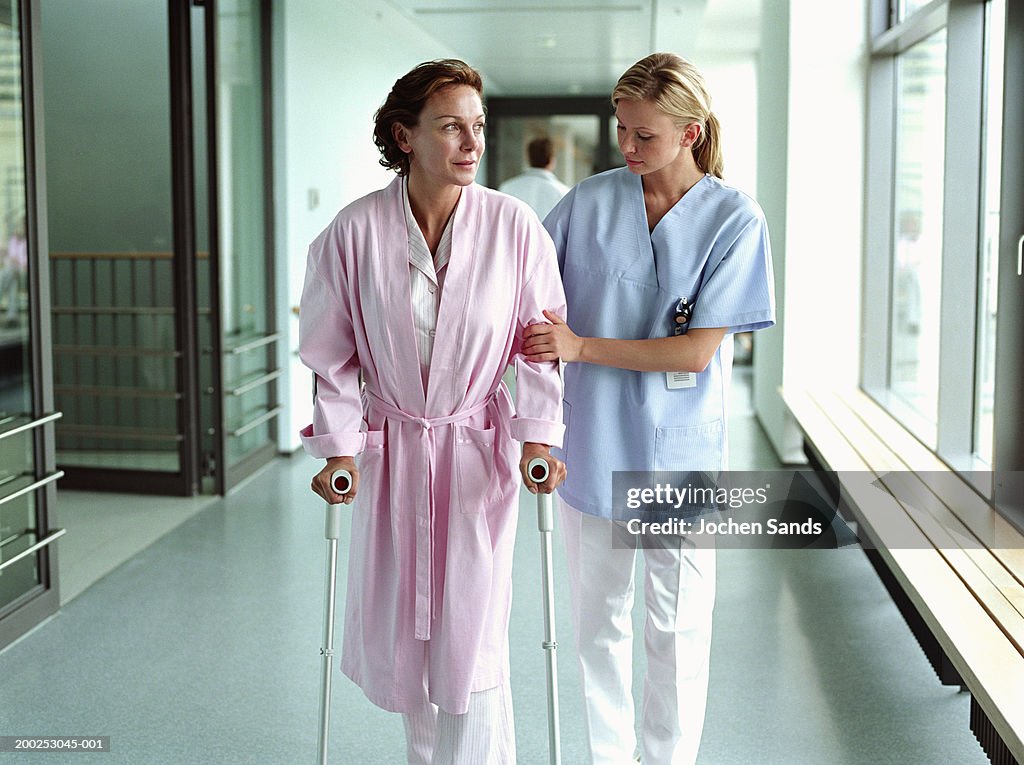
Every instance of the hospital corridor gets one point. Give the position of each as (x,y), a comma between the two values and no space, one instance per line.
(218,662)
(744,276)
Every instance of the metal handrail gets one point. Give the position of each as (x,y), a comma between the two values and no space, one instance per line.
(33,486)
(252,345)
(126,433)
(31,425)
(37,546)
(108,350)
(257,422)
(270,376)
(110,390)
(111,310)
(201,255)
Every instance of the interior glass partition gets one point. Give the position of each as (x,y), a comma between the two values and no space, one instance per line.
(244,230)
(28,562)
(157,142)
(17,463)
(917,267)
(114,302)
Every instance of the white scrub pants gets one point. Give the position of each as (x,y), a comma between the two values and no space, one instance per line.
(679,592)
(485,735)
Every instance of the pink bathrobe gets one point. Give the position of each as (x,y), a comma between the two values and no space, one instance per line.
(433,526)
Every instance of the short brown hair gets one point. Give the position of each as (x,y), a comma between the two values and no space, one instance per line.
(407,98)
(540,152)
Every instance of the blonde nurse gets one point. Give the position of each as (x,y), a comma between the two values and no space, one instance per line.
(662,264)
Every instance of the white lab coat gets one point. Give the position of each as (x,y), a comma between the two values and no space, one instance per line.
(539,188)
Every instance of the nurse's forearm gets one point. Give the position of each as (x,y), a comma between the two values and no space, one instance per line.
(683,353)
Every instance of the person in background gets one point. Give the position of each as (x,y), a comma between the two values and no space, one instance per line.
(424,289)
(538,185)
(662,264)
(13,267)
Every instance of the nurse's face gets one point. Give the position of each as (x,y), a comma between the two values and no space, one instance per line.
(446,146)
(648,138)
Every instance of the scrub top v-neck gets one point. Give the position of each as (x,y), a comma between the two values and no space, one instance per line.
(624,281)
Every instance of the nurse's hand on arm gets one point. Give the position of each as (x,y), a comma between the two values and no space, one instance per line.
(556,468)
(322,481)
(680,353)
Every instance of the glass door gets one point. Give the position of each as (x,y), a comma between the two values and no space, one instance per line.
(157,142)
(239,362)
(28,558)
(120,352)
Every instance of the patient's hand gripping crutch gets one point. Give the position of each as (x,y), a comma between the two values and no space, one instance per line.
(341,482)
(538,472)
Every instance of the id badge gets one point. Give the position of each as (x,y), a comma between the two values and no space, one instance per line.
(681,320)
(677,380)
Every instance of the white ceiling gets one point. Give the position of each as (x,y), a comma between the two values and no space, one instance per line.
(582,46)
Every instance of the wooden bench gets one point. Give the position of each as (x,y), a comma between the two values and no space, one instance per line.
(954,566)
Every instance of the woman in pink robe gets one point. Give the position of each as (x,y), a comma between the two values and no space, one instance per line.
(434,428)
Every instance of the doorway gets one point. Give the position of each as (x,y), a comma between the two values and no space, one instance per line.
(582,129)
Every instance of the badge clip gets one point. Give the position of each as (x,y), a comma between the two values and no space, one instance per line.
(677,380)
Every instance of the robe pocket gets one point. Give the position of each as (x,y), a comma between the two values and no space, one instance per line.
(370,462)
(475,467)
(697,447)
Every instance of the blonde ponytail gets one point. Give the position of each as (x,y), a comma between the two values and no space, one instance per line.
(707,152)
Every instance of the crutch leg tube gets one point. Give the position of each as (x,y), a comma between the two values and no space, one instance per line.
(538,472)
(341,482)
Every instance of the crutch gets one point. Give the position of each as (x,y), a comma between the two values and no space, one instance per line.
(341,482)
(538,471)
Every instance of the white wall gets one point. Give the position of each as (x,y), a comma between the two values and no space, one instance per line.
(732,82)
(772,193)
(328,83)
(810,184)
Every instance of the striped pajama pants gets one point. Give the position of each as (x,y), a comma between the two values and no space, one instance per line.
(485,735)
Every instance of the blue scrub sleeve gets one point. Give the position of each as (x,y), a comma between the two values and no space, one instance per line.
(739,293)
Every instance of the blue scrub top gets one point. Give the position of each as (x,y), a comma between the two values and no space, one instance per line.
(624,281)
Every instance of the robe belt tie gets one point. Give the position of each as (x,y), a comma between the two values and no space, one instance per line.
(424,573)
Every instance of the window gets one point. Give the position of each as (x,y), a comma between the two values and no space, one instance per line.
(936,227)
(989,260)
(907,8)
(917,245)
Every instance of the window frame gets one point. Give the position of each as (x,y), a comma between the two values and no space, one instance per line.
(952,434)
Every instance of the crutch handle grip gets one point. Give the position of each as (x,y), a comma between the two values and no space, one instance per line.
(341,481)
(538,470)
